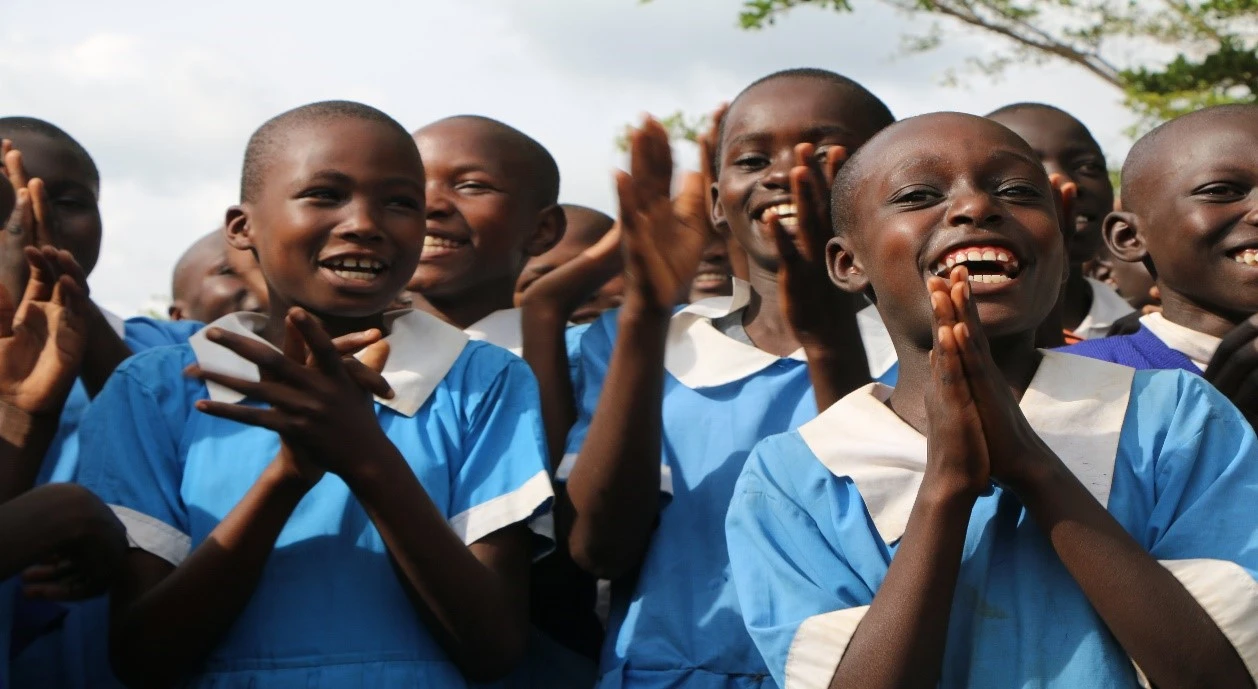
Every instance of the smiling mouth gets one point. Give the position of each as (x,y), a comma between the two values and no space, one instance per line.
(710,280)
(786,214)
(355,268)
(1247,255)
(986,264)
(1082,222)
(440,246)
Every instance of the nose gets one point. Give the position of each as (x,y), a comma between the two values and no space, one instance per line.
(778,175)
(437,203)
(1251,217)
(361,223)
(974,207)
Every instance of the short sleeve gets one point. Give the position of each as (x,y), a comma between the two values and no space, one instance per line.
(1203,526)
(146,333)
(129,450)
(503,478)
(801,599)
(572,341)
(589,356)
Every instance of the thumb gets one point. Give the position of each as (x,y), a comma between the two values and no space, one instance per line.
(375,355)
(8,309)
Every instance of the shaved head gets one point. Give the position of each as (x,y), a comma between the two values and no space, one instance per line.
(538,164)
(586,225)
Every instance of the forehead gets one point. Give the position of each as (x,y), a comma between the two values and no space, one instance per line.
(1049,131)
(948,146)
(1226,145)
(361,149)
(53,160)
(790,105)
(470,143)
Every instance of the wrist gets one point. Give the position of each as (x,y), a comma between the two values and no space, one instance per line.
(19,427)
(372,460)
(283,479)
(638,312)
(545,313)
(950,495)
(1034,476)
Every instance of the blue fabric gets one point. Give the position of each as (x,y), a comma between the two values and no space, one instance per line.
(1140,350)
(677,622)
(1184,484)
(73,654)
(328,611)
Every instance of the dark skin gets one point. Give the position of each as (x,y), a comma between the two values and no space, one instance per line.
(482,199)
(967,354)
(1066,148)
(57,195)
(715,278)
(585,228)
(337,188)
(206,286)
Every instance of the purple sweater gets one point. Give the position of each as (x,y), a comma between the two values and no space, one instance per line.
(1140,350)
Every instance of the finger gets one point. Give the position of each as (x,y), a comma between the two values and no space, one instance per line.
(47,571)
(8,309)
(710,141)
(812,221)
(651,162)
(322,351)
(294,347)
(352,343)
(271,392)
(45,219)
(367,377)
(70,297)
(606,247)
(691,205)
(67,265)
(1064,194)
(250,416)
(375,356)
(1235,357)
(788,253)
(835,157)
(43,275)
(271,363)
(5,146)
(22,220)
(14,167)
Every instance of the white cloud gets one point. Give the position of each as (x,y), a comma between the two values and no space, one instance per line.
(166,99)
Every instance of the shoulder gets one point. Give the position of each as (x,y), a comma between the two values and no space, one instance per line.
(781,465)
(1174,394)
(1109,349)
(483,370)
(157,366)
(143,333)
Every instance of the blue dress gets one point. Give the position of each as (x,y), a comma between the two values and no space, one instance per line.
(328,611)
(818,514)
(677,622)
(64,645)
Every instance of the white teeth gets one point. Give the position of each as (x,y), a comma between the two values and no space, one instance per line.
(951,262)
(986,254)
(348,264)
(974,255)
(431,242)
(354,274)
(989,255)
(788,221)
(990,279)
(1246,256)
(1002,256)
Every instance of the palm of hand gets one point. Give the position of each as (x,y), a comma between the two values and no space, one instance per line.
(39,361)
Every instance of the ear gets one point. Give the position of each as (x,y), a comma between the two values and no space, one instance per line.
(1121,232)
(551,225)
(175,311)
(236,226)
(845,269)
(717,212)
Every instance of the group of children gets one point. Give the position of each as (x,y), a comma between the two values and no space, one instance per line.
(856,405)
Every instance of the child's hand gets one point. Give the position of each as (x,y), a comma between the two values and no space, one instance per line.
(1233,369)
(88,546)
(1012,445)
(820,313)
(312,403)
(957,460)
(567,287)
(43,338)
(708,142)
(663,240)
(31,222)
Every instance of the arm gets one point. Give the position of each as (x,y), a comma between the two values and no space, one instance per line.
(166,619)
(24,440)
(55,518)
(614,486)
(107,351)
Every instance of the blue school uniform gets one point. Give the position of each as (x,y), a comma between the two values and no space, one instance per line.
(65,644)
(818,514)
(328,611)
(677,623)
(1158,343)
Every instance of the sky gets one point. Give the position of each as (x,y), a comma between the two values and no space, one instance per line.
(165,100)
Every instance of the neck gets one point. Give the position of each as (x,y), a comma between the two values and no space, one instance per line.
(1181,310)
(1015,356)
(1076,298)
(766,324)
(465,309)
(335,326)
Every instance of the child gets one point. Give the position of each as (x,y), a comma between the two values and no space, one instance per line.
(58,190)
(1189,215)
(1089,307)
(714,277)
(673,400)
(585,227)
(492,203)
(286,530)
(205,286)
(945,533)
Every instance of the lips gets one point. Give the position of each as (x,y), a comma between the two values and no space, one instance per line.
(355,268)
(986,264)
(436,246)
(1247,255)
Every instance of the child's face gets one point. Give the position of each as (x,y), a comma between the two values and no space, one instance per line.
(1065,147)
(1198,215)
(211,287)
(947,189)
(758,151)
(567,249)
(714,277)
(72,189)
(338,222)
(483,211)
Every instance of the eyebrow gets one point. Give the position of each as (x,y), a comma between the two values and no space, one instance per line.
(342,178)
(810,134)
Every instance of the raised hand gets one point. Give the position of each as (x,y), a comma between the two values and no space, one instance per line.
(957,459)
(663,239)
(320,403)
(708,164)
(1012,445)
(1234,368)
(567,287)
(43,338)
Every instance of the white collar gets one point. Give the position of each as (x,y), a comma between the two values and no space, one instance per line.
(422,348)
(116,323)
(1076,405)
(1107,307)
(700,356)
(1195,345)
(500,328)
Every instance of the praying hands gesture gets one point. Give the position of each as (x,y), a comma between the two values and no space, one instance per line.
(320,400)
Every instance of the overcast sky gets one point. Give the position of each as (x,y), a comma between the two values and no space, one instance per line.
(165,100)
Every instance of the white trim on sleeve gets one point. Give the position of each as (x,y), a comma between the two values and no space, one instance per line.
(523,503)
(1229,596)
(819,645)
(570,460)
(153,535)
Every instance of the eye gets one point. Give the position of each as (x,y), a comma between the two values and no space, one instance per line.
(1091,168)
(225,270)
(403,201)
(473,186)
(916,196)
(751,161)
(321,194)
(71,202)
(1219,191)
(1020,190)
